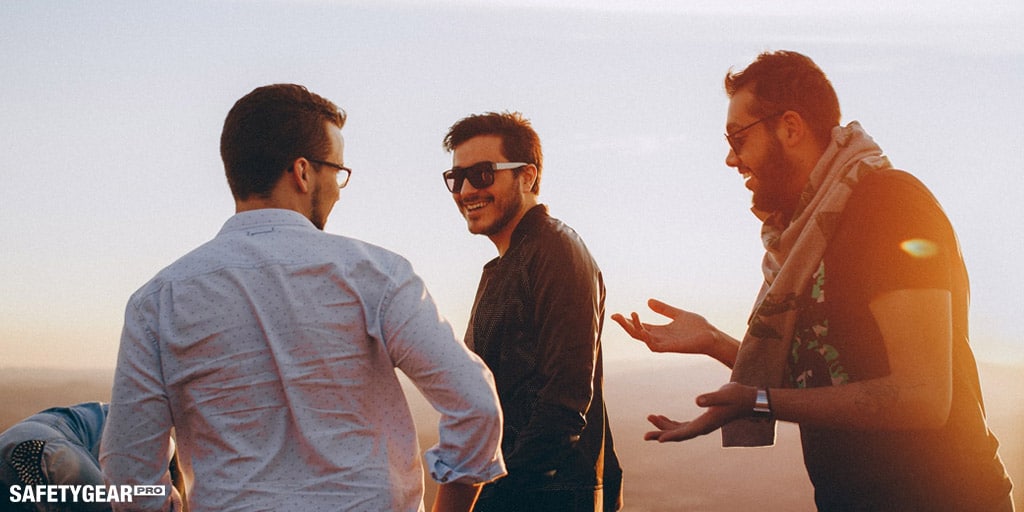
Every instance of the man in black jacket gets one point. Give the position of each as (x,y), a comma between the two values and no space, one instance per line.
(536,322)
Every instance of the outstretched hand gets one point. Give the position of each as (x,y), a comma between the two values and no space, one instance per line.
(687,333)
(731,401)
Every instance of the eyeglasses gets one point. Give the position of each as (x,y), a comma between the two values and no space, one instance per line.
(736,144)
(480,175)
(344,173)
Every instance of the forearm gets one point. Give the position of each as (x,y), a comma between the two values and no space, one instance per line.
(723,348)
(545,440)
(469,430)
(917,393)
(456,497)
(136,446)
(454,381)
(876,404)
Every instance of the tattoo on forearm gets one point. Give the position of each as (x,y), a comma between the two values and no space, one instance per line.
(877,397)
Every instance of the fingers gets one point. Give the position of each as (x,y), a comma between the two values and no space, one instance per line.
(626,326)
(653,436)
(621,320)
(633,327)
(663,424)
(684,432)
(638,324)
(663,309)
(732,394)
(720,406)
(710,399)
(668,430)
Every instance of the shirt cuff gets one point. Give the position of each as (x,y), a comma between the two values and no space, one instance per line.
(443,473)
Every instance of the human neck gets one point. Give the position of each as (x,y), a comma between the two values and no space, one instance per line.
(275,201)
(503,239)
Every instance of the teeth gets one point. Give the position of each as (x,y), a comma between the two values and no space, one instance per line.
(475,206)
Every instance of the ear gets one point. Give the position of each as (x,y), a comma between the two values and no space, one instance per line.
(792,129)
(301,174)
(529,177)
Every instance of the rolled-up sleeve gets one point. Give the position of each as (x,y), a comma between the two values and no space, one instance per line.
(454,380)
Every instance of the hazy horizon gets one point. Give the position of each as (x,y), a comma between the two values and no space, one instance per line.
(701,471)
(112,114)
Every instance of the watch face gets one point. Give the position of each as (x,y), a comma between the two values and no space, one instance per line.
(761,403)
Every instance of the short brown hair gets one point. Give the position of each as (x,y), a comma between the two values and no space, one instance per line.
(785,80)
(519,142)
(267,129)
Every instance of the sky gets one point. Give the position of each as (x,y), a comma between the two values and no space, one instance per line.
(110,117)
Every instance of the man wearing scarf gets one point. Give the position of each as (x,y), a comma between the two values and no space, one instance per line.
(859,332)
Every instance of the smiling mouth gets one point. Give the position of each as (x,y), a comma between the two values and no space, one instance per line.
(474,204)
(747,176)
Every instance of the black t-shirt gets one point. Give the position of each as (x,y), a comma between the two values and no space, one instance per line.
(891,236)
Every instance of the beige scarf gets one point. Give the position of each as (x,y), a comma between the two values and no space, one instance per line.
(793,254)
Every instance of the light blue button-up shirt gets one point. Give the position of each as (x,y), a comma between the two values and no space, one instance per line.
(272,351)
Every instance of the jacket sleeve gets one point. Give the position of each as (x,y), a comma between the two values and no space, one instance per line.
(568,308)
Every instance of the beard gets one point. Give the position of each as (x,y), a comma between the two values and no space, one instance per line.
(507,202)
(774,193)
(317,214)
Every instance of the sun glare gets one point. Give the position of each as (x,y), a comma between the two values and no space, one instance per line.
(920,248)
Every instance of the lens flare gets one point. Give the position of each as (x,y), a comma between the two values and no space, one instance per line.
(920,248)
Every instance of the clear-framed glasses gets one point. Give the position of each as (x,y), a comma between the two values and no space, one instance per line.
(480,175)
(737,144)
(344,173)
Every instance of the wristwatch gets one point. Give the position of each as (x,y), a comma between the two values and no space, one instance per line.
(762,403)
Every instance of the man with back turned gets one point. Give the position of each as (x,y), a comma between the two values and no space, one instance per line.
(271,350)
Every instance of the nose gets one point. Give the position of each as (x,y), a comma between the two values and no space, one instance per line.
(466,188)
(732,159)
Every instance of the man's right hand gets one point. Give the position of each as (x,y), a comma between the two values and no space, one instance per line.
(687,333)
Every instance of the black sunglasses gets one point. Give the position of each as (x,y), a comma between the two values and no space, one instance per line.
(480,175)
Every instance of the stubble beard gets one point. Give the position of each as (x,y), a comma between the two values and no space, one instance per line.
(508,205)
(316,215)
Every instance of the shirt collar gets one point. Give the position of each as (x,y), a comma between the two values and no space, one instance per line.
(531,220)
(265,218)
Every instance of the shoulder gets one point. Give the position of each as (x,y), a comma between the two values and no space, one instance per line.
(362,263)
(354,260)
(896,202)
(364,250)
(893,187)
(557,253)
(556,239)
(551,233)
(894,234)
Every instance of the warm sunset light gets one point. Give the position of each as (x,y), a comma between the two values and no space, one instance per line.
(919,248)
(112,112)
